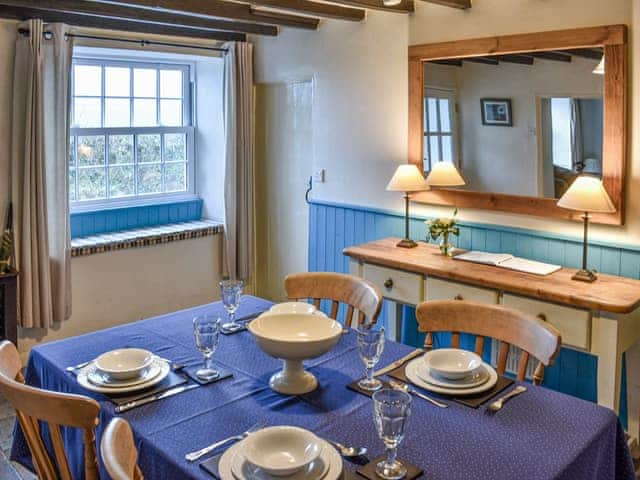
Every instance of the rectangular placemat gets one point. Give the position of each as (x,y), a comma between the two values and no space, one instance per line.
(173,380)
(356,388)
(223,373)
(473,401)
(369,470)
(243,321)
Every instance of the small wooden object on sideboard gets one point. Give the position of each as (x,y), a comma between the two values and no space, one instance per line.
(9,306)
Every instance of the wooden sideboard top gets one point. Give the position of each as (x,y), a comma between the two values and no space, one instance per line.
(609,293)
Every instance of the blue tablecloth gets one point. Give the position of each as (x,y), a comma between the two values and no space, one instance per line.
(539,435)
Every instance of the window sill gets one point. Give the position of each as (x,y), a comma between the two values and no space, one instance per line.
(143,237)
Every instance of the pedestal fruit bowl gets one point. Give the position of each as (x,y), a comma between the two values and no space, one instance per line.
(294,337)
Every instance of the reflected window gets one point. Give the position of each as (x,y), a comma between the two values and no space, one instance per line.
(439,127)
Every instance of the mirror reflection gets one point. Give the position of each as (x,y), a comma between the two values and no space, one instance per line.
(524,124)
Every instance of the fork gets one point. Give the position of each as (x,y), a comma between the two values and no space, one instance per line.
(193,456)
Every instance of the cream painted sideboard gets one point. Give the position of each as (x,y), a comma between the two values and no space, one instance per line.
(602,318)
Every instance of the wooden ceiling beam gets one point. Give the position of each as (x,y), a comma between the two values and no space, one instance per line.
(483,60)
(405,6)
(143,16)
(325,10)
(461,4)
(554,56)
(222,9)
(519,59)
(454,62)
(590,53)
(82,20)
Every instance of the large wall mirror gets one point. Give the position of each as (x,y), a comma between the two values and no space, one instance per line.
(522,116)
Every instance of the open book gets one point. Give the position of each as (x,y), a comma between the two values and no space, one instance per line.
(505,260)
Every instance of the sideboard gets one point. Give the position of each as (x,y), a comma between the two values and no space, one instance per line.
(600,318)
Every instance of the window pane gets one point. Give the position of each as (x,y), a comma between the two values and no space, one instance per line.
(150,178)
(171,83)
(87,80)
(427,159)
(148,148)
(434,152)
(144,82)
(445,121)
(144,113)
(175,177)
(433,114)
(120,149)
(447,150)
(72,149)
(117,82)
(175,147)
(90,150)
(117,112)
(87,113)
(121,183)
(171,113)
(91,183)
(72,185)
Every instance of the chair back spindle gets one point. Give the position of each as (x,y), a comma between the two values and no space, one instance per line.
(118,451)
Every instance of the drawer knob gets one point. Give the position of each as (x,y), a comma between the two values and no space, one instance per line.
(458,297)
(542,317)
(388,283)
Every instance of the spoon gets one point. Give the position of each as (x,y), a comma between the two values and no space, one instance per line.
(404,387)
(498,404)
(349,452)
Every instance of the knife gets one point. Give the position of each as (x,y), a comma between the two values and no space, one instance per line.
(155,397)
(399,363)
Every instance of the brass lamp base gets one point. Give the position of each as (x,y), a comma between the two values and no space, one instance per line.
(406,243)
(585,276)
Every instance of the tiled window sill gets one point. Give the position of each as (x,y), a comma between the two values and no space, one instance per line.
(143,237)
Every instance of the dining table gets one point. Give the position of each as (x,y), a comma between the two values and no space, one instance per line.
(540,434)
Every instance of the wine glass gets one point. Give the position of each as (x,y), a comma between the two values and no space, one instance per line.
(370,346)
(231,291)
(206,331)
(391,412)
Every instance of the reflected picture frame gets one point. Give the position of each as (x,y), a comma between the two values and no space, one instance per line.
(496,112)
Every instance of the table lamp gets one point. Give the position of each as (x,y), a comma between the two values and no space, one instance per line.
(586,194)
(407,179)
(445,174)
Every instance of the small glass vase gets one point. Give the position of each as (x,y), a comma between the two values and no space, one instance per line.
(445,246)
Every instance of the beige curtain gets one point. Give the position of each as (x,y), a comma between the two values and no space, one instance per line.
(39,173)
(238,186)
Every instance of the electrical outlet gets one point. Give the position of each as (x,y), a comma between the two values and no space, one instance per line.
(318,176)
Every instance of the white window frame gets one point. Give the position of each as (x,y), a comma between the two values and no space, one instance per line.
(188,69)
(436,92)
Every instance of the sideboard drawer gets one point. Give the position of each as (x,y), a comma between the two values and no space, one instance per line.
(396,285)
(437,289)
(574,324)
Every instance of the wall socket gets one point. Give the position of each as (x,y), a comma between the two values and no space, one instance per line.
(318,176)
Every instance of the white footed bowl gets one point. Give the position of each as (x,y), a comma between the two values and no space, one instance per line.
(282,451)
(452,363)
(293,307)
(294,337)
(124,363)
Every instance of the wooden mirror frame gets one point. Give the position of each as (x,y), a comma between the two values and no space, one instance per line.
(612,38)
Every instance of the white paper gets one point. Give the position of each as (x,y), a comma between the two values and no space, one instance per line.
(505,260)
(484,257)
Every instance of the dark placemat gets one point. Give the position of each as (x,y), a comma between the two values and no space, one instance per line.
(473,401)
(243,321)
(173,380)
(369,470)
(356,388)
(223,373)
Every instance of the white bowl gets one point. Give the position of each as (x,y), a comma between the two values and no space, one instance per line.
(452,363)
(294,337)
(281,451)
(293,307)
(124,363)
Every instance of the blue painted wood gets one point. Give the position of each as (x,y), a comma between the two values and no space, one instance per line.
(84,224)
(333,227)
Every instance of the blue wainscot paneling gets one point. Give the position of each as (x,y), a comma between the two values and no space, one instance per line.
(85,224)
(332,227)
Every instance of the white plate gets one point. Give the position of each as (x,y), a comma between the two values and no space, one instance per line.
(480,376)
(411,372)
(84,381)
(97,378)
(329,456)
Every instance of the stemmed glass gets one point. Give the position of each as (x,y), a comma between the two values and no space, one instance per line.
(391,412)
(370,346)
(231,291)
(206,331)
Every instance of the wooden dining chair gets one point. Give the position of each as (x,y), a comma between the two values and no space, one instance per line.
(358,294)
(509,326)
(35,406)
(118,451)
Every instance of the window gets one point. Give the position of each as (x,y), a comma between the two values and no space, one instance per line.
(439,127)
(131,133)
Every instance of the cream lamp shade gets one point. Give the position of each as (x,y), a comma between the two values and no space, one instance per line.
(587,194)
(407,179)
(599,70)
(445,174)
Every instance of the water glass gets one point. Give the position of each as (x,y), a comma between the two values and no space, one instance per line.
(231,291)
(206,331)
(392,409)
(370,346)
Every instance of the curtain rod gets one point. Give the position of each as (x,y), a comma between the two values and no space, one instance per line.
(143,43)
